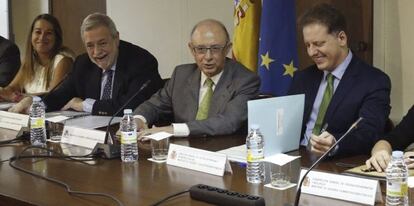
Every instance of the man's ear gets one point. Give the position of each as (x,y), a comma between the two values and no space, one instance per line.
(343,38)
(190,46)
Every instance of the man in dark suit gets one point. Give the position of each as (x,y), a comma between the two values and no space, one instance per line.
(9,61)
(205,98)
(108,75)
(339,89)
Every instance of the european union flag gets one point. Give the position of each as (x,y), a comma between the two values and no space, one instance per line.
(277,47)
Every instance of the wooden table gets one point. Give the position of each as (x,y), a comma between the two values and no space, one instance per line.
(140,183)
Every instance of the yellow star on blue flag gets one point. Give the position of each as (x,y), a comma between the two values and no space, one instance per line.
(266,60)
(277,42)
(289,69)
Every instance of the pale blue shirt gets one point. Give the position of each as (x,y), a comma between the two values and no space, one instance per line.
(87,104)
(337,73)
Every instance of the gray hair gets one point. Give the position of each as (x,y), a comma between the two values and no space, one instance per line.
(97,19)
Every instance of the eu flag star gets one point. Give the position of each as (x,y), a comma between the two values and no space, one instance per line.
(289,69)
(266,60)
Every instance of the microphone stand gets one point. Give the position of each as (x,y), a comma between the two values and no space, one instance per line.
(298,192)
(110,150)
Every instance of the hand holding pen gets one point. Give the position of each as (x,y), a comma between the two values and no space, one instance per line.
(322,143)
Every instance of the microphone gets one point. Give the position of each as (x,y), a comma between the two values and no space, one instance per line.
(109,149)
(298,192)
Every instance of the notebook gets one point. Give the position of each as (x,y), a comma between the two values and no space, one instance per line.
(280,121)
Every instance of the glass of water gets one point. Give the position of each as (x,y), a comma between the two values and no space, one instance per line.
(159,149)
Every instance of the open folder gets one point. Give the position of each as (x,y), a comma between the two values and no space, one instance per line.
(280,121)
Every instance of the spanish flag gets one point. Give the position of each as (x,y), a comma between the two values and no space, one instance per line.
(246,32)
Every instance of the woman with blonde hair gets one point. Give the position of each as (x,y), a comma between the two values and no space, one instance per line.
(46,61)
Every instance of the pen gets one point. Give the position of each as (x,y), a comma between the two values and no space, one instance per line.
(325,126)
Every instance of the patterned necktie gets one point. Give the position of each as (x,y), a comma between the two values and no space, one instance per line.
(204,106)
(327,96)
(106,94)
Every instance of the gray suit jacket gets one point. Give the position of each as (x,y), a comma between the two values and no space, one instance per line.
(179,98)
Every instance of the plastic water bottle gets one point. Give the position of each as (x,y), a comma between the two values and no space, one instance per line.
(37,122)
(397,174)
(129,147)
(255,155)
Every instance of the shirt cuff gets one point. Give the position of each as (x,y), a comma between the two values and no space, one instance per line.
(87,104)
(181,130)
(141,118)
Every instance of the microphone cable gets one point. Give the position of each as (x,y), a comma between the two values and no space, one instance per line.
(59,156)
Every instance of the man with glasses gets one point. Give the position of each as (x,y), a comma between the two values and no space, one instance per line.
(205,98)
(104,78)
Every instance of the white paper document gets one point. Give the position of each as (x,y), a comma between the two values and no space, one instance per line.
(158,136)
(6,105)
(57,119)
(280,159)
(13,121)
(236,154)
(91,122)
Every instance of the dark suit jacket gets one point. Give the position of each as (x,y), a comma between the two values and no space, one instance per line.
(403,134)
(363,91)
(9,61)
(179,97)
(134,67)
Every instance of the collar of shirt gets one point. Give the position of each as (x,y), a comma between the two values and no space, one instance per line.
(214,78)
(113,68)
(339,71)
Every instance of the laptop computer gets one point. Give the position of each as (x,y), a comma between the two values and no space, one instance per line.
(280,120)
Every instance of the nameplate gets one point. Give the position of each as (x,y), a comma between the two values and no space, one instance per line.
(13,121)
(198,160)
(353,189)
(82,137)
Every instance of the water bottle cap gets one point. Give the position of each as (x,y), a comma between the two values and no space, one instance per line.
(397,154)
(127,111)
(254,126)
(36,99)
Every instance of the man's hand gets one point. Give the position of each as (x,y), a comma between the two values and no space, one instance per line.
(379,160)
(409,161)
(75,104)
(321,144)
(23,106)
(154,130)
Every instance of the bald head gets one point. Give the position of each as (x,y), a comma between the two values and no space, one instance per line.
(211,25)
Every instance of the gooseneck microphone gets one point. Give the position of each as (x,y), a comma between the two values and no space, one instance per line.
(298,192)
(111,150)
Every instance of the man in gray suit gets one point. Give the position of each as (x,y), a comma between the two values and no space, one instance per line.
(208,97)
(9,61)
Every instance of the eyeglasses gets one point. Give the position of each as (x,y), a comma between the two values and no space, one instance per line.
(215,49)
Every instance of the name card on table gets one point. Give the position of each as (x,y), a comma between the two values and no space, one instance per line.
(82,137)
(13,121)
(353,189)
(198,159)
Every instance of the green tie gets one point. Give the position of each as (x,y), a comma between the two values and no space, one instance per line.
(204,106)
(327,96)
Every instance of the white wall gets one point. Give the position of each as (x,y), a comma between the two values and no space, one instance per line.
(4,18)
(393,50)
(23,13)
(163,27)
